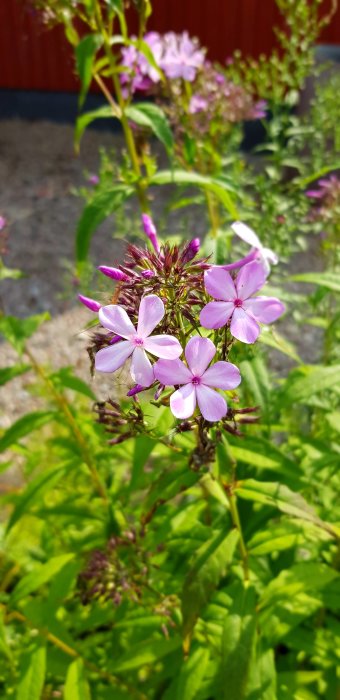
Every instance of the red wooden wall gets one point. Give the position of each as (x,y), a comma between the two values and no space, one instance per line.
(34,58)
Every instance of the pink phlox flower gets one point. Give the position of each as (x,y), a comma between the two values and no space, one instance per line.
(182,56)
(137,342)
(197,381)
(264,255)
(197,104)
(236,302)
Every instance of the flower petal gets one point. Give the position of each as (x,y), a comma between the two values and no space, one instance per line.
(151,312)
(250,279)
(219,284)
(141,368)
(269,255)
(111,358)
(212,405)
(165,346)
(244,327)
(183,401)
(222,375)
(246,234)
(199,352)
(264,309)
(216,314)
(115,318)
(171,372)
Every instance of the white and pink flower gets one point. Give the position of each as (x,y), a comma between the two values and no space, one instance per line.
(198,381)
(137,342)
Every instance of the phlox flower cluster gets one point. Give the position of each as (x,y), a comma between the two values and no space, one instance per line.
(177,55)
(326,199)
(163,309)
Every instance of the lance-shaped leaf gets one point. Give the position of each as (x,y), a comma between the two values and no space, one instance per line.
(24,426)
(191,675)
(34,491)
(310,380)
(105,112)
(38,577)
(18,330)
(99,208)
(281,497)
(183,178)
(85,55)
(209,566)
(329,280)
(9,373)
(76,686)
(238,643)
(32,672)
(153,117)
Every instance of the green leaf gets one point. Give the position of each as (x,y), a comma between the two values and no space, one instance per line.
(153,117)
(34,492)
(210,565)
(142,451)
(310,380)
(9,273)
(269,336)
(281,497)
(145,49)
(66,379)
(85,55)
(182,177)
(191,674)
(238,643)
(329,280)
(76,686)
(23,426)
(18,330)
(262,682)
(99,208)
(37,578)
(32,672)
(9,373)
(105,112)
(262,454)
(145,654)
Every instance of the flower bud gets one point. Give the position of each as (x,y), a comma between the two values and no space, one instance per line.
(191,250)
(90,303)
(147,274)
(150,231)
(135,390)
(113,272)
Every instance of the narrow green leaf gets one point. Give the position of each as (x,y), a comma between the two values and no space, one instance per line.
(153,117)
(281,497)
(9,373)
(191,674)
(37,578)
(18,330)
(24,426)
(85,55)
(210,565)
(182,177)
(145,654)
(310,380)
(329,280)
(263,454)
(76,686)
(99,208)
(32,672)
(105,112)
(34,492)
(262,682)
(66,379)
(238,644)
(269,336)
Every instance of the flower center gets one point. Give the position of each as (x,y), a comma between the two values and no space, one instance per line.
(238,302)
(196,380)
(138,342)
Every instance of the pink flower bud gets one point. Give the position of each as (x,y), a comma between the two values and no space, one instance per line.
(113,272)
(191,250)
(147,274)
(150,231)
(90,303)
(93,180)
(135,390)
(3,222)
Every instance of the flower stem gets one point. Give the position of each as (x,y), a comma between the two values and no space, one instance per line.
(234,514)
(62,403)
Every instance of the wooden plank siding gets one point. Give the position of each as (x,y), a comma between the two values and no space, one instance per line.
(34,58)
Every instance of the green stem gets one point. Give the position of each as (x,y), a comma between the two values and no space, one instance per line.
(62,403)
(234,514)
(129,138)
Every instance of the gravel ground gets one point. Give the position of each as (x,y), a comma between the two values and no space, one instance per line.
(38,170)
